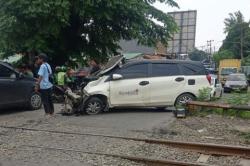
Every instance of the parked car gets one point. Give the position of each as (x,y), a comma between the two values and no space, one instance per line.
(17,89)
(227,67)
(236,82)
(145,83)
(217,88)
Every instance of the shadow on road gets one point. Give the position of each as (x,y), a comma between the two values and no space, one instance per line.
(12,110)
(136,110)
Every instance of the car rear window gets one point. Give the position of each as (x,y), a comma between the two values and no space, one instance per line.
(165,69)
(193,69)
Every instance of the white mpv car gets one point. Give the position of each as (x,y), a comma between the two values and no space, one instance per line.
(145,83)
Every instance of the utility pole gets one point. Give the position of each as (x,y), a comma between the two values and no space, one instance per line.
(209,45)
(241,41)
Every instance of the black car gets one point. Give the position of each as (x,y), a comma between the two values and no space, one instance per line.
(17,89)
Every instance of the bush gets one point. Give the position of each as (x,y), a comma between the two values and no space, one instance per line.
(204,94)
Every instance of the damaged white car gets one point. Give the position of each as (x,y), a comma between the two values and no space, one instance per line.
(140,83)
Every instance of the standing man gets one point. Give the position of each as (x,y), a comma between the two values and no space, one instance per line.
(44,85)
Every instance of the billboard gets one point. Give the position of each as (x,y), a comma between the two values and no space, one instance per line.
(183,41)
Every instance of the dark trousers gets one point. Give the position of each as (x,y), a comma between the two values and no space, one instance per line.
(46,95)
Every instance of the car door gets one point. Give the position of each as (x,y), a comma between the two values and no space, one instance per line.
(133,88)
(11,91)
(166,83)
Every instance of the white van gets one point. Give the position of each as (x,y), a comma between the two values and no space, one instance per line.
(145,83)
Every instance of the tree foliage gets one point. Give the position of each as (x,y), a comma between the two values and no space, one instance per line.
(223,54)
(246,61)
(198,55)
(74,28)
(236,28)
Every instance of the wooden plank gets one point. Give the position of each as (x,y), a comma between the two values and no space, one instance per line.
(192,104)
(207,104)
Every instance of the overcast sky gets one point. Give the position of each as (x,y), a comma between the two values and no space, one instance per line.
(211,15)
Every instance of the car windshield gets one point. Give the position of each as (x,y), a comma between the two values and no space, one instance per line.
(227,71)
(236,78)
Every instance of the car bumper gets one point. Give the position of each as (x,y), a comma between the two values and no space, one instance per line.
(235,88)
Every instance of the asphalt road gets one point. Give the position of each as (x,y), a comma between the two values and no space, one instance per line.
(122,120)
(132,123)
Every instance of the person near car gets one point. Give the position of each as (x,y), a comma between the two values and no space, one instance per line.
(28,72)
(61,76)
(43,85)
(94,66)
(70,78)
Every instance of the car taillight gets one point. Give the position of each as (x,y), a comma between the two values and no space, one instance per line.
(209,79)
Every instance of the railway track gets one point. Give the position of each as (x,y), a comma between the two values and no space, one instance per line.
(209,149)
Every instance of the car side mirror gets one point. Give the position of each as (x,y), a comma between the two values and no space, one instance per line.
(116,77)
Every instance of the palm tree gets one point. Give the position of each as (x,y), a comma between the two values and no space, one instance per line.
(234,19)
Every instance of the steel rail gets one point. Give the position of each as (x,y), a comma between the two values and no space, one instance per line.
(205,148)
(147,161)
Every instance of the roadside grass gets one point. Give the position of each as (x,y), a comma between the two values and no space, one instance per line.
(234,99)
(217,111)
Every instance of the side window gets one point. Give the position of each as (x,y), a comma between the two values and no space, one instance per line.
(165,70)
(135,71)
(6,72)
(192,69)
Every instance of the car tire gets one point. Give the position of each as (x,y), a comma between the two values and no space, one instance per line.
(94,106)
(183,99)
(35,101)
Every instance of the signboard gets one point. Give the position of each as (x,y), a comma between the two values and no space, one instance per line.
(183,41)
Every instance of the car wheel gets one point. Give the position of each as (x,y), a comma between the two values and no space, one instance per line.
(35,101)
(183,99)
(94,106)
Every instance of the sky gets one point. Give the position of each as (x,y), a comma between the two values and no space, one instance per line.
(210,17)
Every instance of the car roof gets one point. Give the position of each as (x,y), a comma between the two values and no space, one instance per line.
(130,62)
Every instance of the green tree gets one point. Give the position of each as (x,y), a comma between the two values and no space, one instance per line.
(223,54)
(73,29)
(238,35)
(198,55)
(234,19)
(246,61)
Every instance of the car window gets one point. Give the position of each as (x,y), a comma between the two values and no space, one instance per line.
(134,71)
(6,72)
(227,71)
(165,69)
(193,69)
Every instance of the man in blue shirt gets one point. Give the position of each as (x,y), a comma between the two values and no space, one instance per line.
(44,85)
